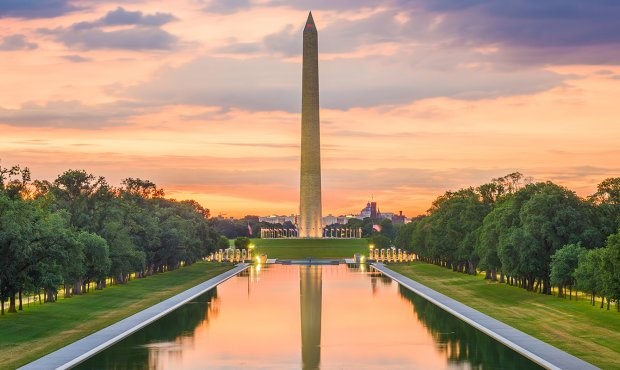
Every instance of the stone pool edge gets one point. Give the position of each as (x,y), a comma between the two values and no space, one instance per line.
(88,346)
(532,348)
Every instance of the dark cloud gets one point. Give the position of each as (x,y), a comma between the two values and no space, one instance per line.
(553,31)
(35,8)
(137,38)
(330,4)
(285,41)
(120,16)
(526,32)
(16,42)
(68,114)
(144,34)
(75,58)
(232,6)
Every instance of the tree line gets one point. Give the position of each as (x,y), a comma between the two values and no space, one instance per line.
(78,230)
(533,235)
(237,228)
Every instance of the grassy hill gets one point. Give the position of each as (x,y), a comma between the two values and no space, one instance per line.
(41,329)
(588,332)
(315,248)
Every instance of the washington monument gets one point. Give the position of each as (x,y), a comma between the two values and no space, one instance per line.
(310,212)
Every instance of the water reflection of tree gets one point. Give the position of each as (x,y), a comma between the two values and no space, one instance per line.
(142,349)
(461,342)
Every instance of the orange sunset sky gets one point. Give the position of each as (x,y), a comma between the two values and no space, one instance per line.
(417,97)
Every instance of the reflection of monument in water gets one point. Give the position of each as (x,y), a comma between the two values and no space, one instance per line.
(310,211)
(311,291)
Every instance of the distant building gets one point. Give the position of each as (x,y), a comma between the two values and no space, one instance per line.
(399,218)
(369,211)
(274,219)
(330,220)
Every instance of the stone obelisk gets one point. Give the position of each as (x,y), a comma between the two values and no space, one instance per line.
(310,212)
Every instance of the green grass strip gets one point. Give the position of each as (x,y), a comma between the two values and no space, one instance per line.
(585,331)
(41,329)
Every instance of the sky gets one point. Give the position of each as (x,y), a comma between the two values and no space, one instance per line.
(203,97)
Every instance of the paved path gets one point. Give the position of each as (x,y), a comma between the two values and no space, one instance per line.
(84,348)
(536,350)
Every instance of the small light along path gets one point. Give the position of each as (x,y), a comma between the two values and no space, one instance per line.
(86,347)
(536,350)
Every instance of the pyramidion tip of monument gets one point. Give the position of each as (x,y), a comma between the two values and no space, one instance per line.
(310,22)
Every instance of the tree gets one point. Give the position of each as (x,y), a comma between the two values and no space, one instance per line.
(379,241)
(387,228)
(76,191)
(242,242)
(223,242)
(493,225)
(608,191)
(97,261)
(563,265)
(588,273)
(552,218)
(610,266)
(454,220)
(404,236)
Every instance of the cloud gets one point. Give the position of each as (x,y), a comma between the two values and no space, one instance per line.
(120,16)
(554,31)
(76,58)
(130,39)
(338,37)
(35,8)
(144,34)
(240,48)
(71,114)
(226,6)
(522,32)
(255,84)
(16,42)
(265,84)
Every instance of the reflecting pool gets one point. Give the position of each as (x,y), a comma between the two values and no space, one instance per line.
(308,317)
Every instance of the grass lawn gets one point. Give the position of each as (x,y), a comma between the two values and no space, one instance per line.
(41,329)
(316,248)
(578,328)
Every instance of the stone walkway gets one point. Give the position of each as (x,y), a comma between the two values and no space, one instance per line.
(84,348)
(530,347)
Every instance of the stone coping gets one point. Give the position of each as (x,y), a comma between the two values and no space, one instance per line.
(536,350)
(86,347)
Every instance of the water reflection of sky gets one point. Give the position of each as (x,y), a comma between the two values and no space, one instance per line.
(352,319)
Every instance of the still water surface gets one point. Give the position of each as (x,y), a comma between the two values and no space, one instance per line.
(308,317)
